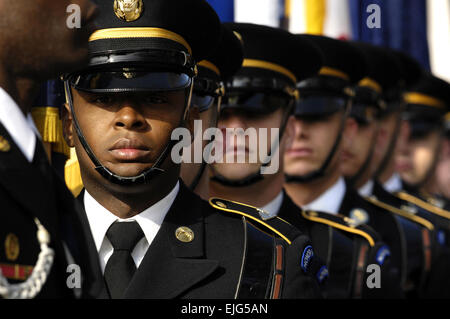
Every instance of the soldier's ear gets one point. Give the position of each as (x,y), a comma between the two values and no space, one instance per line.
(67,125)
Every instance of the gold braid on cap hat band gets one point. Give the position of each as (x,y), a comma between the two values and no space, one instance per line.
(121,33)
(423,99)
(210,66)
(370,83)
(251,63)
(333,72)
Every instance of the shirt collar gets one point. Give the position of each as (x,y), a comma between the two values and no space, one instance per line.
(393,184)
(150,220)
(21,128)
(273,207)
(367,189)
(330,201)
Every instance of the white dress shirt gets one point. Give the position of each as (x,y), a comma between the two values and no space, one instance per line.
(330,201)
(274,206)
(150,220)
(393,184)
(367,189)
(20,127)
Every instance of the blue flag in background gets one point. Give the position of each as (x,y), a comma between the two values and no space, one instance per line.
(403,26)
(224,9)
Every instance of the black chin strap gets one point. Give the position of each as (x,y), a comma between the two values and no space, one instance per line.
(142,178)
(255,177)
(301,179)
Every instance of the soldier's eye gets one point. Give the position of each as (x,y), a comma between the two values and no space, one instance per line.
(102,99)
(155,99)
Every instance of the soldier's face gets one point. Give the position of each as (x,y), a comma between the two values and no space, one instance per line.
(355,155)
(418,157)
(126,132)
(240,145)
(313,142)
(385,135)
(42,36)
(442,174)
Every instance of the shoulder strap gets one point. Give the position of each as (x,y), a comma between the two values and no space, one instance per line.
(423,204)
(343,223)
(414,218)
(273,225)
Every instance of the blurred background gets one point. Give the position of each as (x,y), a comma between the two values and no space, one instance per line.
(418,27)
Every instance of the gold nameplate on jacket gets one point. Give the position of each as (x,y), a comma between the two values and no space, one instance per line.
(4,144)
(184,234)
(12,247)
(128,10)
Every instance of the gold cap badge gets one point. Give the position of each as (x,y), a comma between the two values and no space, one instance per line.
(4,144)
(12,247)
(184,234)
(128,10)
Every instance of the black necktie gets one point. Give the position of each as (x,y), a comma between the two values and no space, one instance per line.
(120,267)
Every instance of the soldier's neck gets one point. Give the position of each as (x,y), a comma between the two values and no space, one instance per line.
(125,201)
(202,188)
(258,194)
(305,193)
(388,171)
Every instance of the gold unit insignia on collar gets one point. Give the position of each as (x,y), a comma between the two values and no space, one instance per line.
(4,145)
(128,10)
(184,234)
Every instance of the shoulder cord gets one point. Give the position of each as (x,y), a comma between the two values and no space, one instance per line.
(32,286)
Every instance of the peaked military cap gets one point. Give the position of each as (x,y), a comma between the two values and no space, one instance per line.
(427,104)
(343,66)
(274,61)
(222,63)
(148,44)
(408,74)
(383,71)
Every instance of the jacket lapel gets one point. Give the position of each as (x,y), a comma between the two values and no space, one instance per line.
(94,282)
(170,267)
(26,185)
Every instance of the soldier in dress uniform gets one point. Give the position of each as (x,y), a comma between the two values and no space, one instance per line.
(156,238)
(41,233)
(358,164)
(312,164)
(427,105)
(442,172)
(417,230)
(206,100)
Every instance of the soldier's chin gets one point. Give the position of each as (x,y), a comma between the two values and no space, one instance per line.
(300,169)
(236,171)
(129,169)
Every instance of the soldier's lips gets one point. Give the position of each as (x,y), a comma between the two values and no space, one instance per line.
(347,155)
(299,152)
(403,166)
(129,150)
